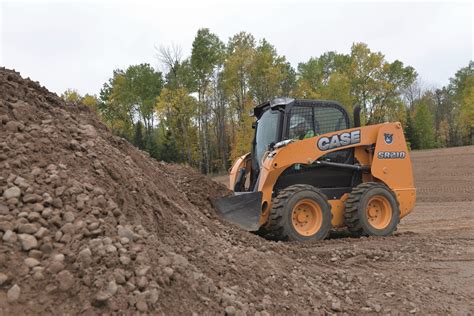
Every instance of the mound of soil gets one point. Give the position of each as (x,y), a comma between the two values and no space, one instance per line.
(89,224)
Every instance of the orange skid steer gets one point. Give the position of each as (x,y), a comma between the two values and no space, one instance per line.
(309,172)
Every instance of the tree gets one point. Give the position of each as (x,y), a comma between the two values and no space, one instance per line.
(268,73)
(119,116)
(138,135)
(177,109)
(424,127)
(142,85)
(376,83)
(207,54)
(410,132)
(236,77)
(72,96)
(467,111)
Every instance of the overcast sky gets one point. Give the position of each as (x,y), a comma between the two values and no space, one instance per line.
(77,44)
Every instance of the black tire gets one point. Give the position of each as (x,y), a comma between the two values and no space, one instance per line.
(280,224)
(356,216)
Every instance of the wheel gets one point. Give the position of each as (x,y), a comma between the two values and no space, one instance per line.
(299,213)
(372,209)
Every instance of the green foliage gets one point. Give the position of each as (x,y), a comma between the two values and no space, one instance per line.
(72,96)
(363,77)
(424,132)
(198,112)
(176,110)
(268,73)
(208,51)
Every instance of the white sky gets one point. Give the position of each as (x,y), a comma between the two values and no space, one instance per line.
(77,44)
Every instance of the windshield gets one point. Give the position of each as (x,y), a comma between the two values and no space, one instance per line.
(266,132)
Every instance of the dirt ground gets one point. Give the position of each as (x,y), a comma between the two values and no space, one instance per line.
(430,260)
(91,225)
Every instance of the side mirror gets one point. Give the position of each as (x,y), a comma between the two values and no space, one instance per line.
(254,125)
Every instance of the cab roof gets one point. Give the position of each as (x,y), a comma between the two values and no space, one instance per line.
(284,102)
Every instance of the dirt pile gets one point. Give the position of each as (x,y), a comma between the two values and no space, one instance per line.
(89,224)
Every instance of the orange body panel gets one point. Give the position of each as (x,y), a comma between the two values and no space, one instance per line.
(396,173)
(241,162)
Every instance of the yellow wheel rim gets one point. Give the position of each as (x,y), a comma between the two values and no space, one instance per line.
(307,217)
(379,212)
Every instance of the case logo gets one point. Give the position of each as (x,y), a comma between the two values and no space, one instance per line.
(388,138)
(339,140)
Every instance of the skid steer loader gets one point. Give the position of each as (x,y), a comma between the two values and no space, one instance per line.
(309,172)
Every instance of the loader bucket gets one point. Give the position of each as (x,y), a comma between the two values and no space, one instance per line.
(242,209)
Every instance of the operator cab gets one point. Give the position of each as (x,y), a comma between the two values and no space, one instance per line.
(285,118)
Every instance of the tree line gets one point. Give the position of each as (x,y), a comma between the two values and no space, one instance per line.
(196,110)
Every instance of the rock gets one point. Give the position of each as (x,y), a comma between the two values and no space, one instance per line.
(47,212)
(142,306)
(111,249)
(168,271)
(336,306)
(27,241)
(153,296)
(85,255)
(13,192)
(69,217)
(36,254)
(377,308)
(119,275)
(38,207)
(27,228)
(65,279)
(89,131)
(38,275)
(125,260)
(112,288)
(57,203)
(93,225)
(31,262)
(34,217)
(142,282)
(55,266)
(31,198)
(68,228)
(3,278)
(41,232)
(9,236)
(13,126)
(101,298)
(4,210)
(126,232)
(4,226)
(58,257)
(13,293)
(230,310)
(47,247)
(142,271)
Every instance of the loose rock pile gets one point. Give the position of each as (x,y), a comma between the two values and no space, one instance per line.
(80,210)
